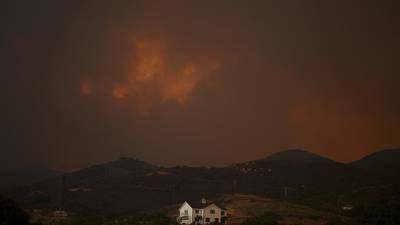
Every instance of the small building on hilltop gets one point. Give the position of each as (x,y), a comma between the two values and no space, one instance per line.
(201,212)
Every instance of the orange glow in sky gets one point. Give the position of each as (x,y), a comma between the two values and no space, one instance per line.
(86,88)
(157,75)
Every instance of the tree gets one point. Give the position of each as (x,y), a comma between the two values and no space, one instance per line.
(12,214)
(379,213)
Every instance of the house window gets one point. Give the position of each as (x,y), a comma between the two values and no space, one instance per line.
(207,220)
(222,213)
(212,211)
(216,220)
(186,212)
(197,211)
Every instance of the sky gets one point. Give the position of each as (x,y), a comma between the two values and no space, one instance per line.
(196,82)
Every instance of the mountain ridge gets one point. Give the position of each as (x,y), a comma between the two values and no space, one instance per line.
(382,158)
(299,155)
(126,184)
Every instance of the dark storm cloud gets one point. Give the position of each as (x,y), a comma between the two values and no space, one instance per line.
(199,82)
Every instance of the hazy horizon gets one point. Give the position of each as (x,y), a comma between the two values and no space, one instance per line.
(90,164)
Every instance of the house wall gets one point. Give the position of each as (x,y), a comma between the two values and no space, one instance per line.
(189,209)
(204,213)
(200,213)
(216,215)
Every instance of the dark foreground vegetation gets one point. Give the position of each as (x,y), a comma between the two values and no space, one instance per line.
(12,214)
(377,213)
(136,219)
(267,218)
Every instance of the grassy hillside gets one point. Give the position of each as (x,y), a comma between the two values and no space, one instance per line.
(243,207)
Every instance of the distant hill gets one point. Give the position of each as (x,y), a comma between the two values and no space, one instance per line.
(27,176)
(129,185)
(302,174)
(385,158)
(384,163)
(299,156)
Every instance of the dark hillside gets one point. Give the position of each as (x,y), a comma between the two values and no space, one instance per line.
(126,185)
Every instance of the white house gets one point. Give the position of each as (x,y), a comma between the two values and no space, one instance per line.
(201,213)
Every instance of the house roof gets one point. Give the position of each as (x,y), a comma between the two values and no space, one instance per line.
(199,205)
(219,205)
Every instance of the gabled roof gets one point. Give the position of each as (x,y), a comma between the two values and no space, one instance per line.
(216,204)
(199,205)
(219,205)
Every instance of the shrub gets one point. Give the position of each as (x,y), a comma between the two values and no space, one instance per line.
(266,218)
(378,213)
(12,214)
